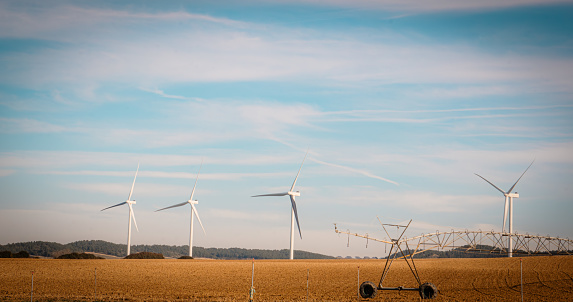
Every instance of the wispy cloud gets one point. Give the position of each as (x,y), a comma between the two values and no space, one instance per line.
(481,115)
(413,6)
(228,55)
(121,190)
(413,201)
(25,125)
(17,21)
(170,96)
(162,174)
(449,110)
(242,215)
(167,16)
(70,162)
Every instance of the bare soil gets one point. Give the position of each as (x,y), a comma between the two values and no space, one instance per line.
(544,279)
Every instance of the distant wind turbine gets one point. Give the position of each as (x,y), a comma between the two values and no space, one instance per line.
(193,211)
(294,213)
(129,202)
(508,196)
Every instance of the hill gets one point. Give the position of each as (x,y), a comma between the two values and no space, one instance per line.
(53,249)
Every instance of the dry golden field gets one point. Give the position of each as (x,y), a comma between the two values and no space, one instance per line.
(544,278)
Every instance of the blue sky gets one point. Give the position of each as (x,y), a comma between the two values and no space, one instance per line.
(399,103)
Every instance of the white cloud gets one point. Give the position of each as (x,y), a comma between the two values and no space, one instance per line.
(414,6)
(228,55)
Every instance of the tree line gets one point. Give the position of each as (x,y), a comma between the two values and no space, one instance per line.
(479,251)
(54,249)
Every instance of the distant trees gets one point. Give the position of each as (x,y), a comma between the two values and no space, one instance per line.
(145,255)
(79,256)
(21,254)
(481,251)
(9,254)
(38,248)
(53,249)
(240,253)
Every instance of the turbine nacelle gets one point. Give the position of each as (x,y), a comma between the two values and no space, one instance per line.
(297,193)
(512,195)
(131,202)
(193,201)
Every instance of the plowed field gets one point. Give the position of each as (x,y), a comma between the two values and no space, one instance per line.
(544,279)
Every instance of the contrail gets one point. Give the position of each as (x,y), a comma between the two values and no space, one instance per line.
(365,173)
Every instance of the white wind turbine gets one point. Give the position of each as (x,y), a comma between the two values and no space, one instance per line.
(129,202)
(193,211)
(508,196)
(293,213)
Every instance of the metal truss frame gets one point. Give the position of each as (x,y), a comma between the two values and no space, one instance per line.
(474,241)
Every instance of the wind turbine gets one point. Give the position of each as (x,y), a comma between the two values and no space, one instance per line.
(293,213)
(508,196)
(129,202)
(193,211)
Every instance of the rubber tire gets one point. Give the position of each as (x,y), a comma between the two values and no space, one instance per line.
(428,291)
(368,290)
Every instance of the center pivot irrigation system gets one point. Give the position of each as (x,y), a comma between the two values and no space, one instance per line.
(488,242)
(368,289)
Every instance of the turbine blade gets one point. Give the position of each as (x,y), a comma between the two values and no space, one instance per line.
(197,215)
(294,182)
(173,206)
(117,205)
(293,203)
(520,177)
(273,194)
(133,216)
(504,214)
(490,183)
(193,192)
(133,185)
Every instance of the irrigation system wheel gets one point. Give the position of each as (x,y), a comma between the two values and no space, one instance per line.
(428,291)
(368,290)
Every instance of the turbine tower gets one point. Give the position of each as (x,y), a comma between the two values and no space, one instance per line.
(193,211)
(508,196)
(293,215)
(129,202)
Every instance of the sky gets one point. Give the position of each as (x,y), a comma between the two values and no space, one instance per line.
(398,103)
